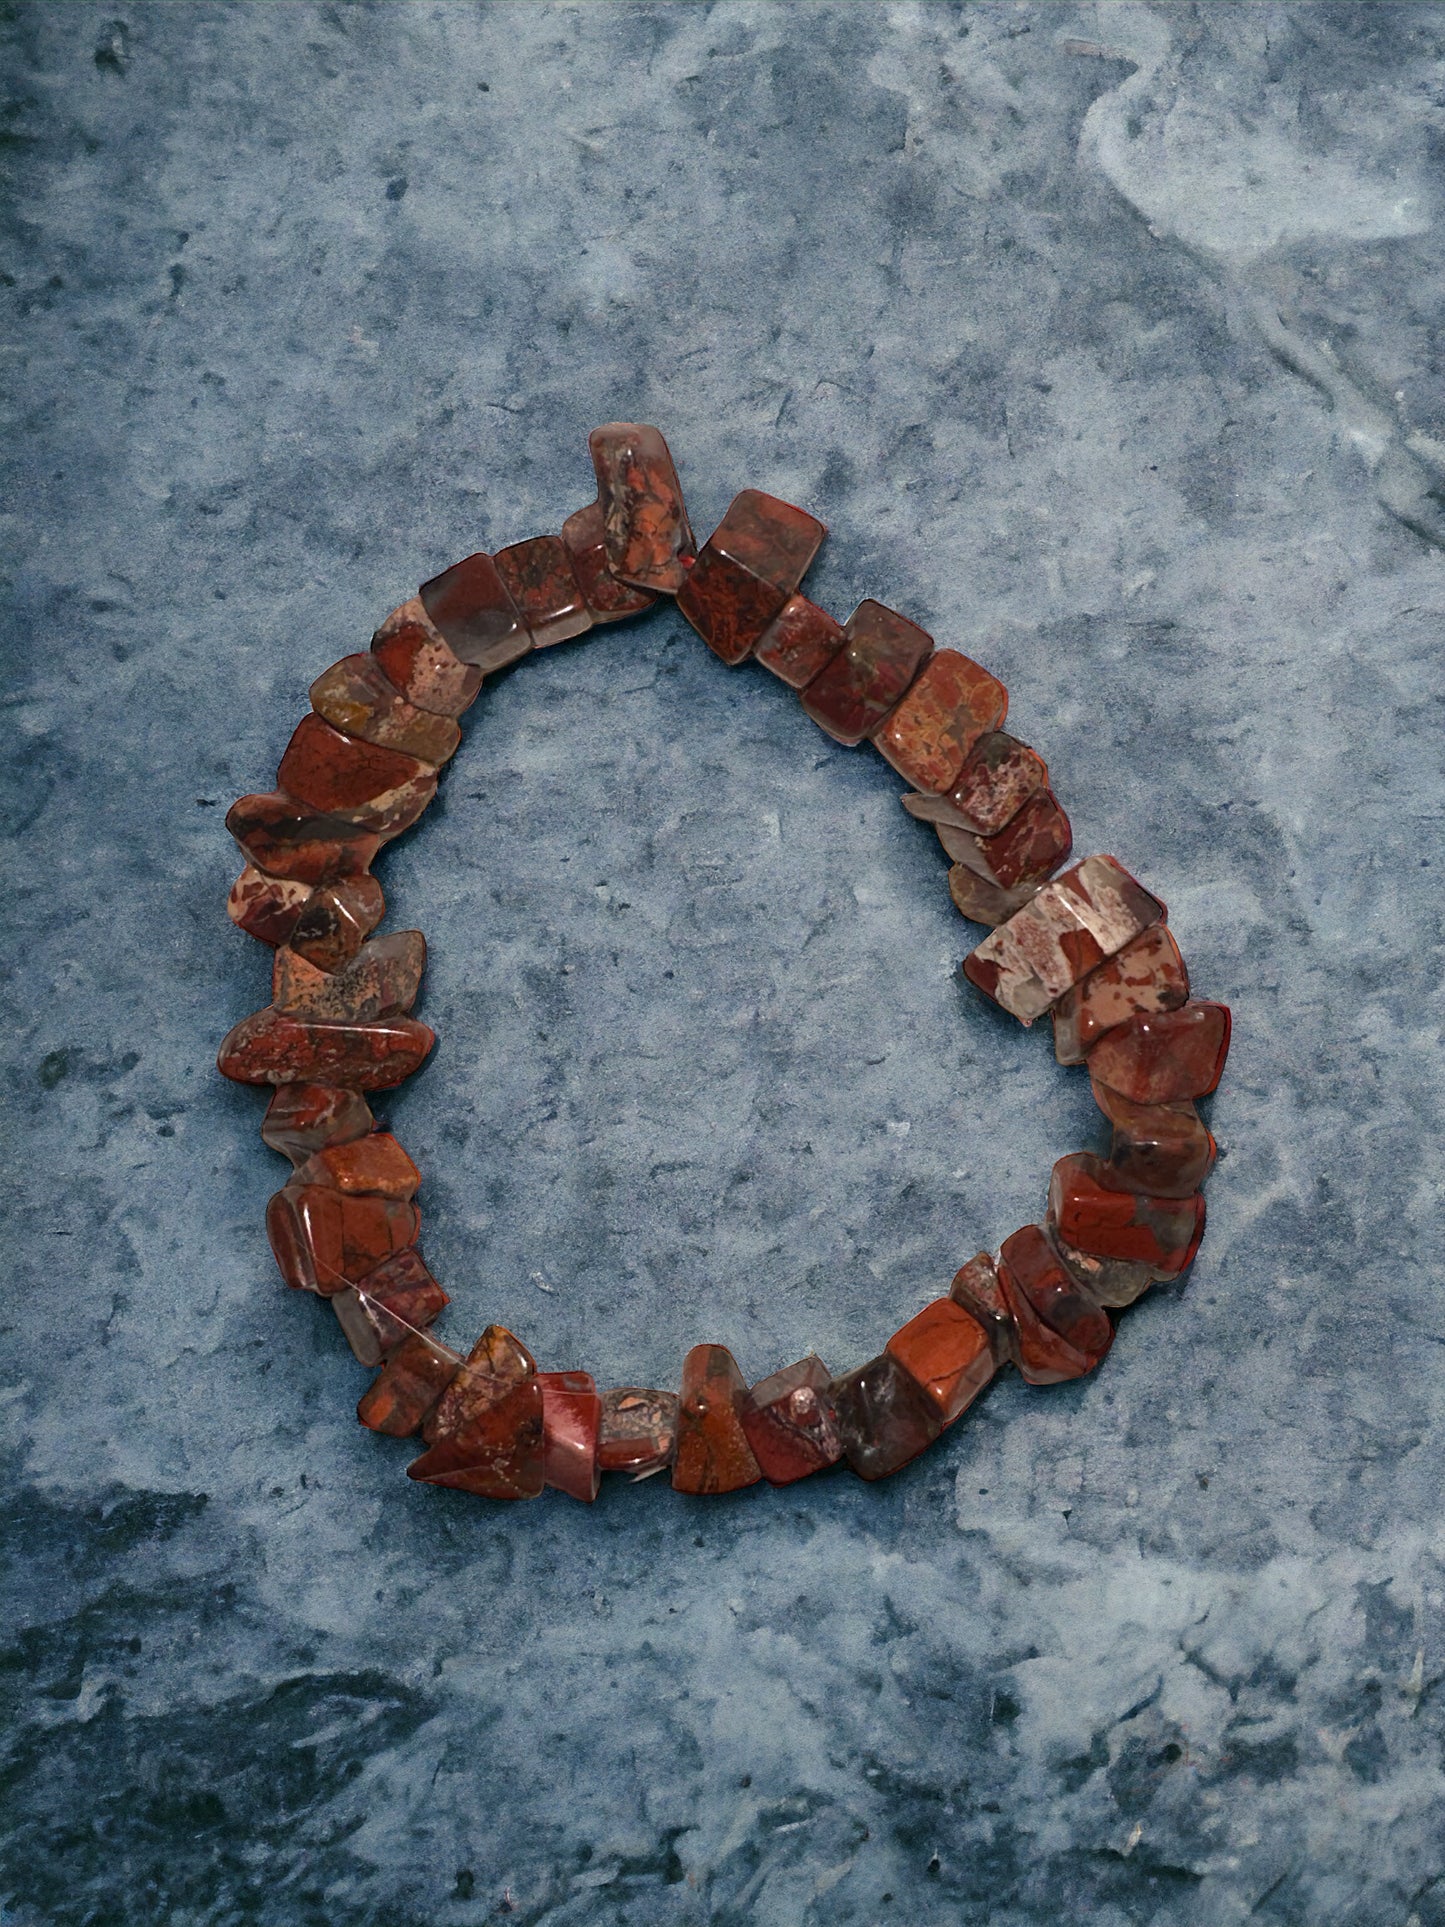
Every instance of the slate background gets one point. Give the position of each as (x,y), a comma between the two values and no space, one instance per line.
(1105,338)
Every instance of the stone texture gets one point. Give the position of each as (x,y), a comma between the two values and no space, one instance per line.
(1062,933)
(950,705)
(790,1423)
(1161,1058)
(646,533)
(485,1434)
(1091,1215)
(375,1164)
(571,1421)
(638,1432)
(302,1119)
(381,980)
(421,665)
(882,652)
(713,1453)
(335,920)
(408,1386)
(1163,1149)
(976,1287)
(323,1241)
(998,777)
(885,1418)
(1114,1282)
(1032,846)
(1148,974)
(357,697)
(390,1304)
(946,1350)
(284,838)
(984,902)
(538,576)
(746,570)
(379,789)
(497,1364)
(271,1048)
(801,640)
(1062,1333)
(266,907)
(607,599)
(470,608)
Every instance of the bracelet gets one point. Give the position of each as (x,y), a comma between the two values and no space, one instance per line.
(1087,943)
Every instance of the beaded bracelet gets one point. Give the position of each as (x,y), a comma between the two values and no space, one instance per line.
(1087,943)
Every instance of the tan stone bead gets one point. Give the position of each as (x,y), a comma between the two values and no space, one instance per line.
(357,696)
(380,980)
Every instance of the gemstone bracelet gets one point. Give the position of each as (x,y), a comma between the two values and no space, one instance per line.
(1087,943)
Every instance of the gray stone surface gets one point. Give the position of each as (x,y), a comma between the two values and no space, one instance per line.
(1105,338)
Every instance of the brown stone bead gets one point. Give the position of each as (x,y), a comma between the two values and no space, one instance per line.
(713,1454)
(469,606)
(421,665)
(881,654)
(746,570)
(486,1431)
(539,578)
(638,1432)
(497,1363)
(380,980)
(271,1048)
(302,1119)
(801,640)
(951,704)
(380,789)
(977,1289)
(1091,1215)
(367,1165)
(1062,933)
(608,599)
(356,696)
(1146,975)
(388,1305)
(1161,1149)
(998,777)
(885,1418)
(336,920)
(1031,847)
(266,907)
(1061,1333)
(946,1350)
(285,838)
(1160,1058)
(648,538)
(571,1420)
(324,1241)
(790,1423)
(409,1385)
(1114,1282)
(982,901)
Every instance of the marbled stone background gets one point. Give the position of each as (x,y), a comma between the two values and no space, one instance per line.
(1106,340)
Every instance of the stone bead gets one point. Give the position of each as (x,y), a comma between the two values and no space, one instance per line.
(380,789)
(1062,1334)
(1091,1215)
(977,1289)
(539,578)
(409,1385)
(496,1364)
(336,920)
(882,652)
(951,704)
(1148,974)
(746,570)
(356,696)
(271,1048)
(885,1418)
(1161,1149)
(1164,1057)
(945,1350)
(287,839)
(1115,1282)
(571,1420)
(1029,849)
(374,1165)
(470,608)
(324,1241)
(790,1422)
(266,907)
(302,1119)
(1062,933)
(607,599)
(645,528)
(982,901)
(381,980)
(420,664)
(713,1454)
(998,777)
(801,640)
(638,1432)
(486,1431)
(388,1305)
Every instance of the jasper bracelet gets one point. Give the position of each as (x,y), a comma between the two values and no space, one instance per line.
(1086,943)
